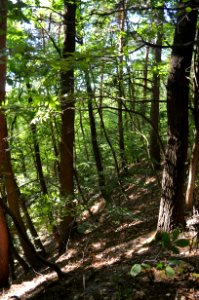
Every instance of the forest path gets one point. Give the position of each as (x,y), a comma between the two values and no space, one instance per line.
(98,262)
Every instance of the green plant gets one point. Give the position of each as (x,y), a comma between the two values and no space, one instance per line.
(171,242)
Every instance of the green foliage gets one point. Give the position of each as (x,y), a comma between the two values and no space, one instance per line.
(34,48)
(171,242)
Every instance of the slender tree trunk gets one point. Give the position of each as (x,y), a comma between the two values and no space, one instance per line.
(83,136)
(145,87)
(96,149)
(56,151)
(38,162)
(154,143)
(106,134)
(171,213)
(121,19)
(31,227)
(67,126)
(42,181)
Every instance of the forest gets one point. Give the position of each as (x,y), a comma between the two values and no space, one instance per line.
(99,149)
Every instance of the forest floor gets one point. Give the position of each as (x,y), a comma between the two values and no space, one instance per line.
(98,261)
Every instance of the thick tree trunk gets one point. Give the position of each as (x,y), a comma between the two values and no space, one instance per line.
(67,126)
(193,167)
(192,173)
(171,213)
(4,238)
(4,251)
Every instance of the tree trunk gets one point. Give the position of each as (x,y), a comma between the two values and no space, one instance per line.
(145,87)
(195,151)
(67,126)
(4,238)
(31,227)
(6,171)
(171,213)
(4,251)
(121,19)
(154,143)
(96,149)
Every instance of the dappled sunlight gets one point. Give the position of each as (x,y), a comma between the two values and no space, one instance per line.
(69,254)
(27,287)
(128,225)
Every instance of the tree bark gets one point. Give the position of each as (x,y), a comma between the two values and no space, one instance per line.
(154,143)
(6,171)
(4,251)
(4,238)
(195,151)
(171,213)
(67,126)
(121,20)
(96,149)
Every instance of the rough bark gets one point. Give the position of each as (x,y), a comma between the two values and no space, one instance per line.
(171,213)
(193,167)
(4,251)
(4,239)
(67,126)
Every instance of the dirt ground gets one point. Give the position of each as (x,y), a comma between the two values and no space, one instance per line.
(98,260)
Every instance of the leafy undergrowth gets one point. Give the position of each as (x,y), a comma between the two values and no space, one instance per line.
(99,260)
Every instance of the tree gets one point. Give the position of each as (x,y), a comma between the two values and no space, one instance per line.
(121,25)
(96,148)
(154,143)
(4,239)
(195,151)
(171,213)
(67,125)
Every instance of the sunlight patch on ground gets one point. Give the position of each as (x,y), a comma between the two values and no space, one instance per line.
(98,245)
(141,244)
(70,253)
(136,246)
(128,225)
(21,290)
(105,262)
(114,253)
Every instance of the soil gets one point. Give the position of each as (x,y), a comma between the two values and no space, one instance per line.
(99,259)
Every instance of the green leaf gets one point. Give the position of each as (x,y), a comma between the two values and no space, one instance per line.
(175,250)
(175,262)
(166,242)
(175,234)
(188,9)
(182,243)
(160,265)
(135,270)
(169,271)
(145,266)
